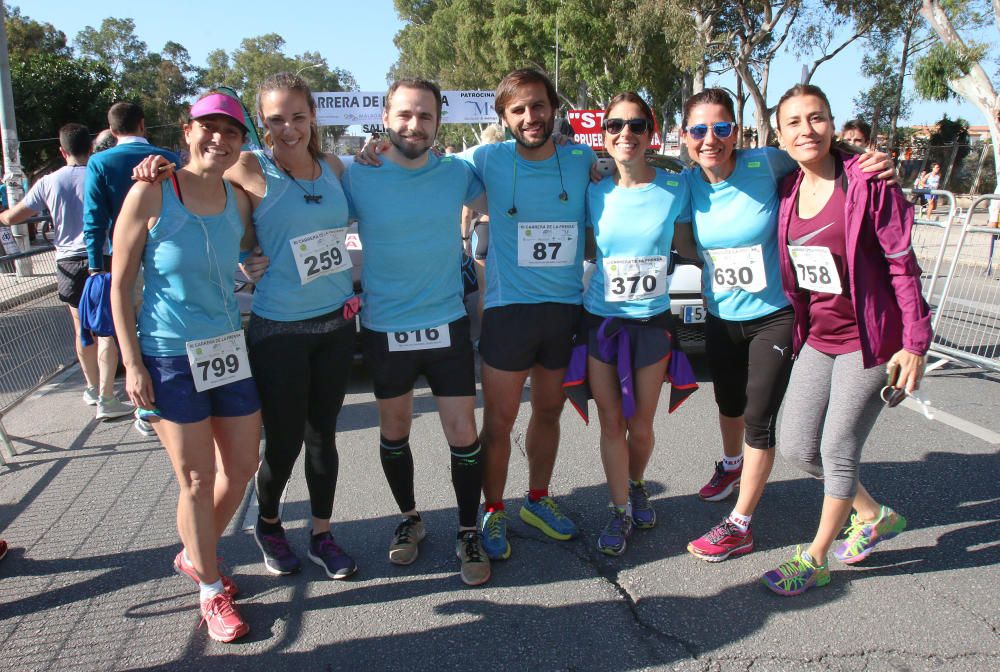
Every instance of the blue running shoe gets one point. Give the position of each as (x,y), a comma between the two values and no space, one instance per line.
(546,516)
(279,558)
(615,534)
(643,514)
(494,535)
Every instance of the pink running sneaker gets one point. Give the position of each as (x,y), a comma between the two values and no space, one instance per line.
(722,483)
(721,541)
(181,566)
(224,623)
(3,548)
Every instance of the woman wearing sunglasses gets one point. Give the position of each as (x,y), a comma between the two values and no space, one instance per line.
(854,283)
(748,328)
(632,215)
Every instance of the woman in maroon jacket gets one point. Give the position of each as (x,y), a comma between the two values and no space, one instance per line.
(854,283)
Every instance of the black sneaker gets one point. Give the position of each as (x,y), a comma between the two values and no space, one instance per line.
(325,552)
(278,555)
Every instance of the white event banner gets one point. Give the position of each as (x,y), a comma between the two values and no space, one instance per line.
(344,108)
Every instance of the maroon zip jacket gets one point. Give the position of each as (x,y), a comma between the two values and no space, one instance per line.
(884,274)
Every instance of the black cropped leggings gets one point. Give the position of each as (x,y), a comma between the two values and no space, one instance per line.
(302,378)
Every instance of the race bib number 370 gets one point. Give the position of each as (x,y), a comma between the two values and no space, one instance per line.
(546,244)
(218,361)
(320,253)
(737,268)
(635,278)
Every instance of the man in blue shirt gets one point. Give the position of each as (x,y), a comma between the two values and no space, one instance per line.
(109,178)
(534,283)
(414,322)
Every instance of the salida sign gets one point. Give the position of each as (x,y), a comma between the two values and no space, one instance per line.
(587,128)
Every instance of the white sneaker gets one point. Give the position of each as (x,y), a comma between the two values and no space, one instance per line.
(143,427)
(90,396)
(113,408)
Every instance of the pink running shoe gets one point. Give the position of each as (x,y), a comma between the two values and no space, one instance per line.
(3,548)
(721,541)
(722,483)
(224,623)
(181,566)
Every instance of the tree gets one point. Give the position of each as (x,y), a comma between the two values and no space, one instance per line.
(27,36)
(883,102)
(953,68)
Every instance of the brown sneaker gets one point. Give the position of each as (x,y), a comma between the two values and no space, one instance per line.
(475,563)
(403,549)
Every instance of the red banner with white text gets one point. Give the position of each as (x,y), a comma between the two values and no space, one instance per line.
(587,128)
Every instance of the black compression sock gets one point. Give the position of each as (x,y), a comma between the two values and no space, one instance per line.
(467,479)
(397,464)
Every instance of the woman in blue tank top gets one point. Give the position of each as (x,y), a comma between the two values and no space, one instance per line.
(187,368)
(301,332)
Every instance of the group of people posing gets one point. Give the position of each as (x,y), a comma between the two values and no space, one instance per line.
(807,257)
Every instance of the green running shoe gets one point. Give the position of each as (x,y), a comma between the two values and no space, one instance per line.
(862,536)
(797,575)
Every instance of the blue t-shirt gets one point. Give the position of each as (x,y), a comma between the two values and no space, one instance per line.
(284,215)
(513,273)
(189,271)
(740,212)
(634,230)
(410,224)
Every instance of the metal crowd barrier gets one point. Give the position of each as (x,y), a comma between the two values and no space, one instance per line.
(36,332)
(930,240)
(967,321)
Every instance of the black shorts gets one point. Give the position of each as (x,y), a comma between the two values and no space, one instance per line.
(518,336)
(750,362)
(650,340)
(450,371)
(71,274)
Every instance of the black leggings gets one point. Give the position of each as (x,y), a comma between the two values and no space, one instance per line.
(302,370)
(750,363)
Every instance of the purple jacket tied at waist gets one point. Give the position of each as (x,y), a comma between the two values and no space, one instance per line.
(883,271)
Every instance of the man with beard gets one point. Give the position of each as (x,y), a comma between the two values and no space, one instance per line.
(414,321)
(536,193)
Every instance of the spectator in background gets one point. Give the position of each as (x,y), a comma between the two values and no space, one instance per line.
(930,180)
(61,193)
(109,178)
(104,140)
(856,132)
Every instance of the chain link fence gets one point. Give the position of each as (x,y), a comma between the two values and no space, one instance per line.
(965,169)
(36,330)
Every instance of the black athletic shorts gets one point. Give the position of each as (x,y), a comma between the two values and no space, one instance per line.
(71,275)
(450,371)
(650,340)
(750,362)
(520,335)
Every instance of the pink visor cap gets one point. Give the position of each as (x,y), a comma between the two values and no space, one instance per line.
(219,103)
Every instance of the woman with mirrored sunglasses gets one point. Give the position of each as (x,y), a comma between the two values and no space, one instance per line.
(627,322)
(748,328)
(853,281)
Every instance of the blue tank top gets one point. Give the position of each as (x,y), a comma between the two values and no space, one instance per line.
(189,268)
(282,215)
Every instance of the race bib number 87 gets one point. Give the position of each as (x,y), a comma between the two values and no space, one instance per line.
(546,244)
(218,361)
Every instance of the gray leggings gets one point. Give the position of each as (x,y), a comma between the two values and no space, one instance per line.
(831,405)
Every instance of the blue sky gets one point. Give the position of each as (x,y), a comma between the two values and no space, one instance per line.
(358,36)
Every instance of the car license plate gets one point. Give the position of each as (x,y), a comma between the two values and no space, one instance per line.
(694,314)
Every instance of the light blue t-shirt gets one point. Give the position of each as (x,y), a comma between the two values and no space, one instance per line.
(189,269)
(410,224)
(741,211)
(633,224)
(534,188)
(284,215)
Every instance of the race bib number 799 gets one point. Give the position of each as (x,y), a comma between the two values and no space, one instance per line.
(218,361)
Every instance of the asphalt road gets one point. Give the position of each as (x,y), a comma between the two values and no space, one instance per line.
(89,511)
